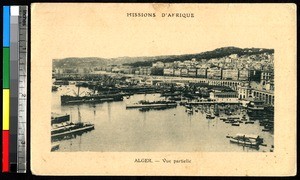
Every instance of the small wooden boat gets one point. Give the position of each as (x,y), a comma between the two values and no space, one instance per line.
(189,111)
(54,88)
(223,118)
(78,128)
(235,124)
(247,140)
(208,115)
(249,122)
(266,130)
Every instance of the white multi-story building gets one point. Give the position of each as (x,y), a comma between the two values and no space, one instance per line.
(230,74)
(201,73)
(177,72)
(244,92)
(184,72)
(168,71)
(243,75)
(214,73)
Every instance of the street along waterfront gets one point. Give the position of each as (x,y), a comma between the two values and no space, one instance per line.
(117,129)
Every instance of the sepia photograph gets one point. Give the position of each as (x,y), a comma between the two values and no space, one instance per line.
(163,89)
(219,100)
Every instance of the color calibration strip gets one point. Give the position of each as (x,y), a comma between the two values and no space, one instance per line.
(14,88)
(6,89)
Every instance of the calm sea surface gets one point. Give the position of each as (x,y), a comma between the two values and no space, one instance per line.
(123,130)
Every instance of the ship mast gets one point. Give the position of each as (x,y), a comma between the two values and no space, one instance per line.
(71,114)
(78,91)
(79,115)
(94,90)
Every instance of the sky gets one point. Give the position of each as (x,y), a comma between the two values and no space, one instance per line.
(104,30)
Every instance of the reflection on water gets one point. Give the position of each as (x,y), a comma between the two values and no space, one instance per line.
(119,129)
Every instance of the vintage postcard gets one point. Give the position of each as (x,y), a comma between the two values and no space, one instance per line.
(163,89)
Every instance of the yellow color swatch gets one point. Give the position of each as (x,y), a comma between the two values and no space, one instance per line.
(5,109)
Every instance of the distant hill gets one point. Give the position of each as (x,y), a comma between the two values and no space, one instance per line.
(147,61)
(217,53)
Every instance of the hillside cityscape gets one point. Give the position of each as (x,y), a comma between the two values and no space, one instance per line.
(250,65)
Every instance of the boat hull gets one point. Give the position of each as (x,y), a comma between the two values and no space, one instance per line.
(245,143)
(65,100)
(151,105)
(73,131)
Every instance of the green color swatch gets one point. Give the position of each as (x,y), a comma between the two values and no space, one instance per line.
(6,68)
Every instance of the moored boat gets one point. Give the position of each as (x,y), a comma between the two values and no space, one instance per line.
(58,128)
(54,88)
(59,118)
(247,140)
(154,104)
(249,122)
(208,115)
(223,118)
(235,124)
(61,82)
(67,99)
(266,130)
(77,128)
(61,130)
(189,111)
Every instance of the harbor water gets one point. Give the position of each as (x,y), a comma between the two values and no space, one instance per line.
(118,129)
